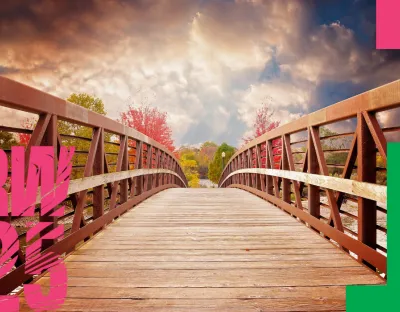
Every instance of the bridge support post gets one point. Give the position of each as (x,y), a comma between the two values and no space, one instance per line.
(313,191)
(124,167)
(50,139)
(366,164)
(285,166)
(98,168)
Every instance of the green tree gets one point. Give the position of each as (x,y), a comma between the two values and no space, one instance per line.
(7,140)
(81,134)
(215,167)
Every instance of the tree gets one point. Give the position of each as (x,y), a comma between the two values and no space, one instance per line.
(190,167)
(262,123)
(80,133)
(7,140)
(205,156)
(27,123)
(215,167)
(64,127)
(151,122)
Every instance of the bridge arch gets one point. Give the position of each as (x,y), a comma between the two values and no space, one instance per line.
(267,168)
(119,168)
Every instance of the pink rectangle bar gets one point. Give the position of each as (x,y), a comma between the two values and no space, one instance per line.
(388,24)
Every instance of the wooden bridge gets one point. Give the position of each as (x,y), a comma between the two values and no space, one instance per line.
(288,228)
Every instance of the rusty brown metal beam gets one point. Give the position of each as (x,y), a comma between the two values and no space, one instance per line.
(366,161)
(98,168)
(313,190)
(324,170)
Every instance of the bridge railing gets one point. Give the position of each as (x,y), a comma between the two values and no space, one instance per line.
(333,181)
(114,167)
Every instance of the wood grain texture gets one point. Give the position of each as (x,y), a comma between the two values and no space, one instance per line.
(363,189)
(208,250)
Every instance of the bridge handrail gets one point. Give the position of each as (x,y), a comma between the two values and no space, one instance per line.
(142,168)
(363,189)
(266,167)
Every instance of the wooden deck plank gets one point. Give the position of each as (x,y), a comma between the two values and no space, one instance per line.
(208,250)
(211,265)
(323,292)
(210,305)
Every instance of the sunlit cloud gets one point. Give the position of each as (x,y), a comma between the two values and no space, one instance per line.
(209,64)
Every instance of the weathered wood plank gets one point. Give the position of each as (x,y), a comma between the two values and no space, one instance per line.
(165,265)
(322,292)
(213,305)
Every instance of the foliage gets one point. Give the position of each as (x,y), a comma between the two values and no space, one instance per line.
(151,122)
(381,176)
(7,140)
(205,156)
(80,132)
(27,123)
(199,158)
(262,123)
(216,166)
(190,167)
(96,105)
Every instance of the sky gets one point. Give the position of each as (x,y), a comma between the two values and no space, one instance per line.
(209,63)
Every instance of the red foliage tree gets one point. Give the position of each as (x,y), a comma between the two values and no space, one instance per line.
(262,124)
(151,122)
(27,123)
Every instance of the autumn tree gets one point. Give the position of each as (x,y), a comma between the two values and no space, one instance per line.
(205,156)
(216,166)
(190,167)
(7,140)
(151,122)
(263,123)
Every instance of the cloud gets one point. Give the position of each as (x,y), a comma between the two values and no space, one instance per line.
(210,64)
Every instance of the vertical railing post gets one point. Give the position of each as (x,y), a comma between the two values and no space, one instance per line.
(313,167)
(50,139)
(161,166)
(123,187)
(138,184)
(156,166)
(268,164)
(98,169)
(149,157)
(366,164)
(285,166)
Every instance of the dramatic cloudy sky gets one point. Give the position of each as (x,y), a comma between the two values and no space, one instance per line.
(209,63)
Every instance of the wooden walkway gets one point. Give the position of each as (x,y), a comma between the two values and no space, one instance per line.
(209,250)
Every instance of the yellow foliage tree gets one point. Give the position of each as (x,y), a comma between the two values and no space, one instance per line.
(190,168)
